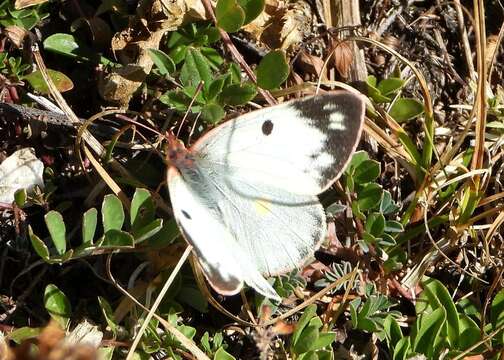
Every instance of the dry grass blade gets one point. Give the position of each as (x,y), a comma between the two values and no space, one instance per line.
(200,355)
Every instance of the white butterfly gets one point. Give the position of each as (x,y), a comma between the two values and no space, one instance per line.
(244,195)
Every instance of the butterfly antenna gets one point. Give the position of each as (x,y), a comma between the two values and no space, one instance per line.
(198,89)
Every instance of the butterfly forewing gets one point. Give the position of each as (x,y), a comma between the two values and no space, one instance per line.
(300,146)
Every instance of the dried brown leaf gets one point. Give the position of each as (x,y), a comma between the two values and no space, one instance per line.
(15,34)
(343,58)
(310,63)
(22,4)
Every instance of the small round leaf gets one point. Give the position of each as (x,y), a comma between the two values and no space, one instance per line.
(273,70)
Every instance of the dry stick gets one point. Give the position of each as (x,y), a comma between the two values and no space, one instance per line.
(236,54)
(481,110)
(465,39)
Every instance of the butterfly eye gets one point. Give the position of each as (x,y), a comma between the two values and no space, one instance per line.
(267,127)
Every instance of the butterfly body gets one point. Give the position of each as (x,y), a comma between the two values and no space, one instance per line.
(244,195)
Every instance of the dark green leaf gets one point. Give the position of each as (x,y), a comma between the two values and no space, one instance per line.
(142,211)
(273,70)
(115,238)
(195,69)
(89,222)
(148,230)
(39,246)
(430,327)
(252,8)
(366,171)
(497,314)
(324,339)
(230,15)
(406,109)
(369,196)
(112,213)
(215,88)
(308,336)
(178,53)
(57,229)
(212,113)
(238,94)
(57,305)
(392,226)
(375,224)
(108,313)
(163,62)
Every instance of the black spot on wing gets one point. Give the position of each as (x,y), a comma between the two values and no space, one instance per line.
(340,143)
(186,215)
(267,127)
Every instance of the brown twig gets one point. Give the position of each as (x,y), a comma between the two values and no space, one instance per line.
(236,54)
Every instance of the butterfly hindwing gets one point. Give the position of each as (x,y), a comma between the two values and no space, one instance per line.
(225,264)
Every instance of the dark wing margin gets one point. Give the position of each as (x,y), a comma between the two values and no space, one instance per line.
(342,138)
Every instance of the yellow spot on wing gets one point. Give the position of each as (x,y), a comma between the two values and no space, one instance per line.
(262,206)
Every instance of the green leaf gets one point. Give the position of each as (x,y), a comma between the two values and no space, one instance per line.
(497,314)
(387,205)
(142,211)
(470,332)
(238,94)
(222,354)
(108,314)
(366,171)
(23,333)
(392,226)
(405,109)
(430,327)
(165,236)
(308,314)
(212,113)
(357,158)
(402,349)
(178,53)
(230,15)
(20,197)
(324,339)
(375,224)
(438,294)
(390,85)
(273,70)
(68,45)
(176,99)
(112,213)
(148,230)
(63,83)
(57,305)
(215,88)
(163,62)
(39,246)
(57,229)
(213,57)
(252,8)
(392,331)
(115,238)
(308,336)
(375,94)
(89,222)
(195,69)
(369,196)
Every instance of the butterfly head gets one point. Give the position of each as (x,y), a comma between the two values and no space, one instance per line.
(176,153)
